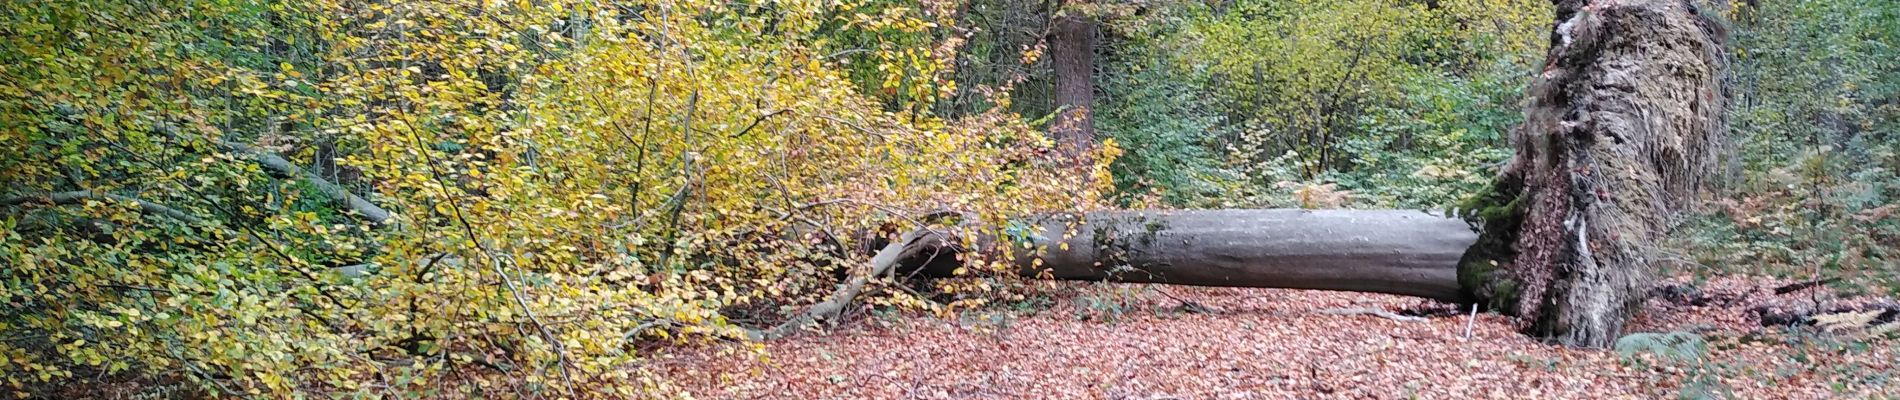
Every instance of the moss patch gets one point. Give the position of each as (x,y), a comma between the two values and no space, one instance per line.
(1497,213)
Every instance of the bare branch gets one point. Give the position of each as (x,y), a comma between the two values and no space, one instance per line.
(911,244)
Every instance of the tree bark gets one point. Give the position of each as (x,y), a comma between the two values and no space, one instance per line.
(1072,55)
(1403,252)
(1621,129)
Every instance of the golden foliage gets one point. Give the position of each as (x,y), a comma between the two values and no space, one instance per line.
(570,180)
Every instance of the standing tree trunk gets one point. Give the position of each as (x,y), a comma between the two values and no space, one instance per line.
(1621,129)
(1072,54)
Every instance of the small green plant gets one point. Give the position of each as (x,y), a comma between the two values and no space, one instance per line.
(1105,304)
(1674,347)
(1685,350)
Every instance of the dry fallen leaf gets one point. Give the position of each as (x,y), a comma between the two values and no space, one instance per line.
(1262,344)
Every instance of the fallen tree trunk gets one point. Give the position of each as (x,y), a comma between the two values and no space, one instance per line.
(1401,252)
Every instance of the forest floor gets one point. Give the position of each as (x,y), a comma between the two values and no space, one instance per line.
(1120,341)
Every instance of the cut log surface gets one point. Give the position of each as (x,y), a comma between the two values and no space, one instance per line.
(1405,252)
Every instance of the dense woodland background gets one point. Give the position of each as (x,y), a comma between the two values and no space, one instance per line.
(322,198)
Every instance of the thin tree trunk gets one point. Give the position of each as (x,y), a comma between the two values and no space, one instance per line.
(1072,54)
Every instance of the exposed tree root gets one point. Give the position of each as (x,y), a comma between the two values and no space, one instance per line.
(1622,128)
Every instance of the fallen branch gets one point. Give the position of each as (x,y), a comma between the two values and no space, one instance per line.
(1804,285)
(1835,318)
(78,196)
(375,215)
(1471,320)
(1187,306)
(1373,312)
(909,245)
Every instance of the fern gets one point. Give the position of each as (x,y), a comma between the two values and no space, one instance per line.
(1678,347)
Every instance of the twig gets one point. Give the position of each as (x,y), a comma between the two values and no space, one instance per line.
(498,264)
(755,123)
(294,263)
(1373,312)
(1804,285)
(909,245)
(1469,321)
(1187,305)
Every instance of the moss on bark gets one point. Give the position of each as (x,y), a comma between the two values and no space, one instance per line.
(1483,270)
(1620,130)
